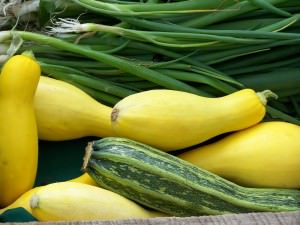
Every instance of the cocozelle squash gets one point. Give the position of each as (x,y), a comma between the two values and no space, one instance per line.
(171,185)
(171,120)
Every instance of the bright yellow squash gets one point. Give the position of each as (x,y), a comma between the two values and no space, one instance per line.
(75,201)
(172,120)
(19,139)
(23,200)
(64,112)
(264,155)
(85,179)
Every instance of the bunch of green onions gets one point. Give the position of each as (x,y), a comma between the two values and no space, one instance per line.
(210,48)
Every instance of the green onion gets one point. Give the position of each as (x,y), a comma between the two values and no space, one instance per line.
(237,9)
(209,48)
(269,7)
(117,62)
(153,9)
(96,94)
(65,73)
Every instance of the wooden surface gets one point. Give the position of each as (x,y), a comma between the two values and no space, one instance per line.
(290,218)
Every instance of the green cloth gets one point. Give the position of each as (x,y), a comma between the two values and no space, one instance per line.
(16,215)
(60,161)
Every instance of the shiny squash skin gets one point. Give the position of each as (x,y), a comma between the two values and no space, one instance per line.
(264,155)
(172,120)
(19,139)
(65,112)
(68,201)
(23,200)
(85,179)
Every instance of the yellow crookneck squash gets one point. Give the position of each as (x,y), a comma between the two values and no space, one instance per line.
(264,155)
(18,130)
(172,120)
(67,201)
(24,200)
(65,112)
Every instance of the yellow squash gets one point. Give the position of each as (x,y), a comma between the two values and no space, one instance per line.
(85,179)
(23,200)
(65,112)
(172,120)
(264,155)
(75,201)
(18,131)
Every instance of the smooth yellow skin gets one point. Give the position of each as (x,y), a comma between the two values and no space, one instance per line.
(172,120)
(19,138)
(23,200)
(264,155)
(65,112)
(75,201)
(85,179)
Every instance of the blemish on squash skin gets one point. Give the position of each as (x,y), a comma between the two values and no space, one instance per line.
(114,114)
(34,202)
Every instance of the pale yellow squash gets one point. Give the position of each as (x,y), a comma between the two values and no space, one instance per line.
(264,155)
(65,112)
(23,200)
(172,120)
(18,130)
(75,201)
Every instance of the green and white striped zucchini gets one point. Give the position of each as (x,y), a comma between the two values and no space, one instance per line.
(166,183)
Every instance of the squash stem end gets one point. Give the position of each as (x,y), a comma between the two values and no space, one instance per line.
(264,95)
(87,156)
(29,54)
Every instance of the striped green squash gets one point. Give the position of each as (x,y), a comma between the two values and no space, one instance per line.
(166,183)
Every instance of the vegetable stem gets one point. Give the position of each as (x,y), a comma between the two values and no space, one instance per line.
(264,95)
(237,9)
(114,61)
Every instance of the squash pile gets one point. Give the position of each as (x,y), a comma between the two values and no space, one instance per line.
(160,152)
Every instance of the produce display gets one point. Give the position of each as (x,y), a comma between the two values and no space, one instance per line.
(193,106)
